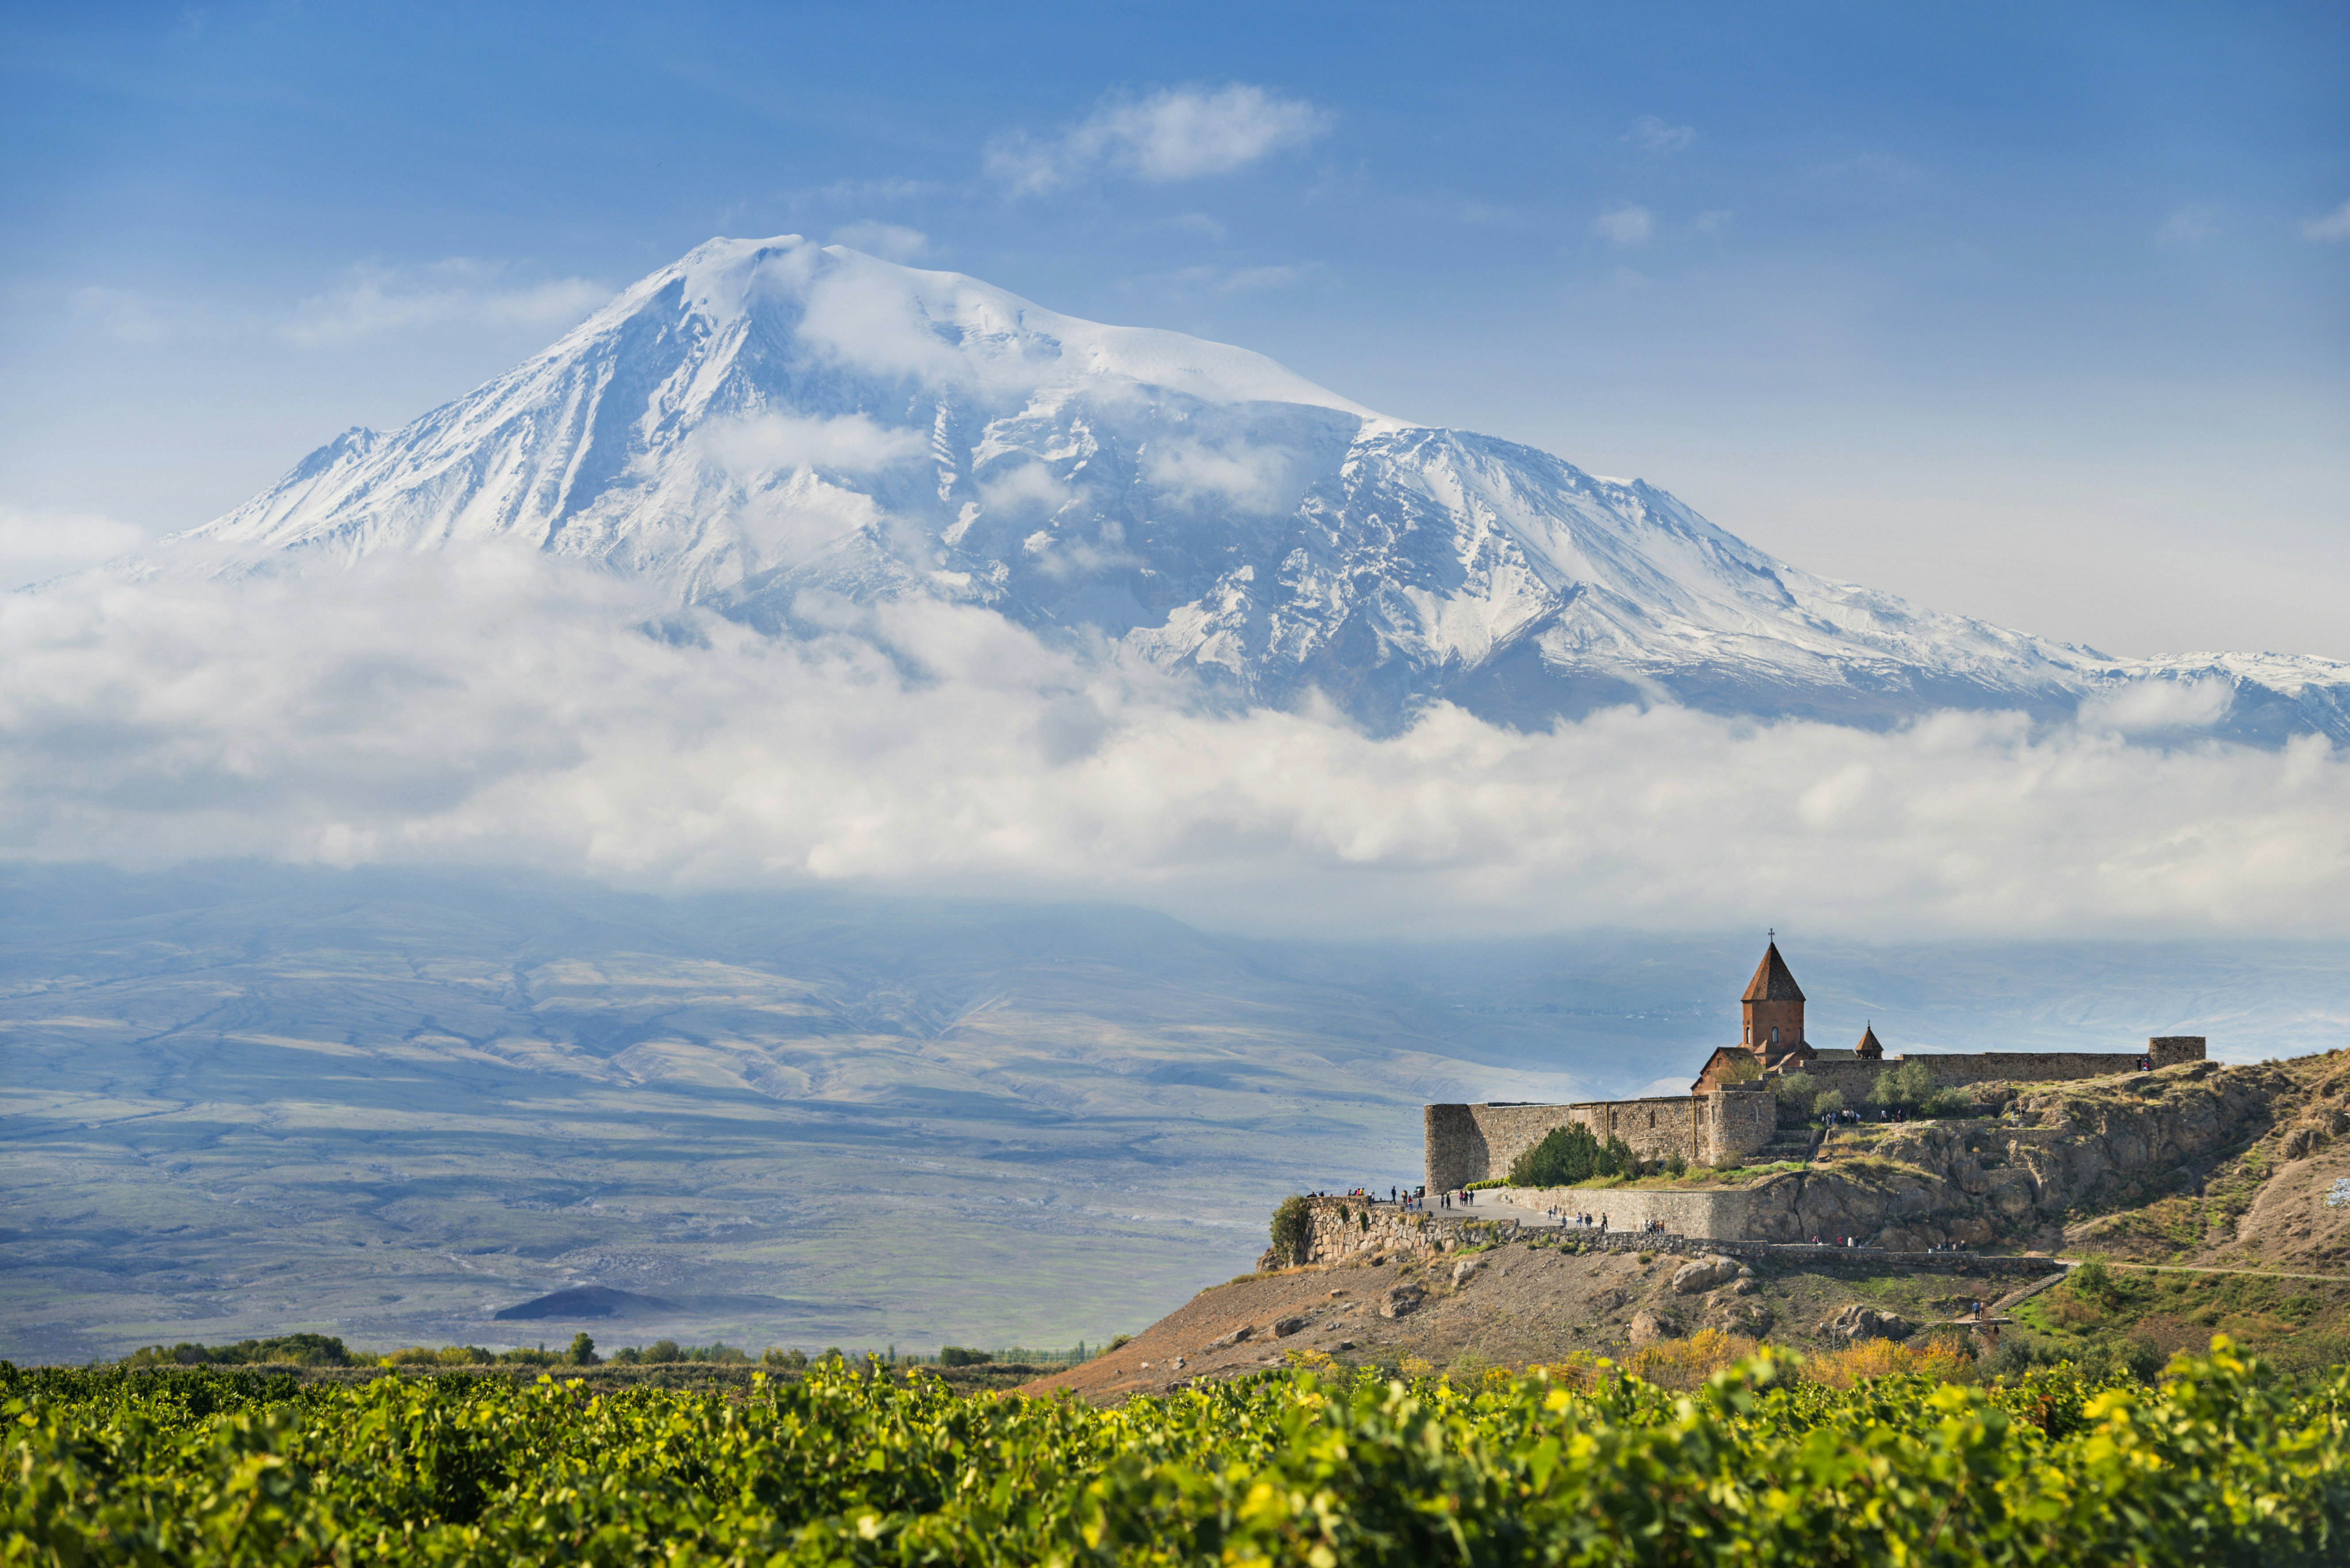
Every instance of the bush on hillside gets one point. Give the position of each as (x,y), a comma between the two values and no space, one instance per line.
(961,1355)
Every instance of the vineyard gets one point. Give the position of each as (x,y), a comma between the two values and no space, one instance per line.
(2221,1463)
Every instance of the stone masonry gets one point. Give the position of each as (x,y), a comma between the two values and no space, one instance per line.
(1479,1143)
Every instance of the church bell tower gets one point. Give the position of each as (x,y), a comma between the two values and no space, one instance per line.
(1773,1010)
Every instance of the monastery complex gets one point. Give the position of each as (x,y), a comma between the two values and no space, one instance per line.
(1731,1116)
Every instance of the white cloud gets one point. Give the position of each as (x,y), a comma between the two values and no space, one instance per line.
(892,242)
(1625,225)
(490,707)
(40,542)
(847,444)
(2151,707)
(2188,226)
(1656,135)
(1254,478)
(1207,280)
(124,315)
(374,299)
(2334,226)
(1175,134)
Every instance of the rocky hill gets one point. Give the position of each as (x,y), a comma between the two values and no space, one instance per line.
(2146,1164)
(2203,1188)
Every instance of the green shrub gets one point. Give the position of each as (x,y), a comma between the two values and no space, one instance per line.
(1292,1230)
(1566,1156)
(288,1350)
(1796,1089)
(1827,1103)
(959,1355)
(1904,1087)
(582,1352)
(790,1360)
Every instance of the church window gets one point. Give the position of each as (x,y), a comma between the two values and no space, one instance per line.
(1775,1034)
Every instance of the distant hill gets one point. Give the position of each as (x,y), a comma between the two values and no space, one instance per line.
(586,1302)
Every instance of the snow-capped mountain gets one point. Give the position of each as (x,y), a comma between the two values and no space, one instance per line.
(766,421)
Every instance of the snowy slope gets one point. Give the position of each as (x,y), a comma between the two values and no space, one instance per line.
(768,417)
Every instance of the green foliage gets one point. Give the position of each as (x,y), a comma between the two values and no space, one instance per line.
(1675,1164)
(2221,1464)
(1906,1086)
(1292,1230)
(582,1352)
(959,1355)
(290,1349)
(1827,1103)
(1570,1154)
(1797,1089)
(791,1360)
(1742,1067)
(1481,1186)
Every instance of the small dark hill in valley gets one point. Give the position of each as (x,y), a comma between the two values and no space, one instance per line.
(585,1301)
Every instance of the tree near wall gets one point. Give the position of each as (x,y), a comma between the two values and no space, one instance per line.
(1904,1087)
(1570,1154)
(1292,1230)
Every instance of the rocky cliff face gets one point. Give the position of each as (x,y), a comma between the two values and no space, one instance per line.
(2047,1153)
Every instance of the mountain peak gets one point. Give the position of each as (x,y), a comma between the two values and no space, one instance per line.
(765,418)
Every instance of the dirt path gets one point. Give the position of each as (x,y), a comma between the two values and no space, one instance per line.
(2202,1269)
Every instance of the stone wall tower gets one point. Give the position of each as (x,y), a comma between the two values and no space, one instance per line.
(1773,1010)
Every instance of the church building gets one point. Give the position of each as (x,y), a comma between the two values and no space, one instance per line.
(1772,1037)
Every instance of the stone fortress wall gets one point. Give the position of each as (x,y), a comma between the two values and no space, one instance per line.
(1479,1143)
(1349,1229)
(1952,1070)
(1724,1126)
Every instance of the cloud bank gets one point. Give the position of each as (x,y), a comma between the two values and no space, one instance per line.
(374,300)
(489,707)
(1175,134)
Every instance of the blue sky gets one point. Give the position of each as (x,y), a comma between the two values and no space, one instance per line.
(2032,313)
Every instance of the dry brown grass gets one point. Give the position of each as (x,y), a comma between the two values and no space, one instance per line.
(1686,1362)
(1884,1357)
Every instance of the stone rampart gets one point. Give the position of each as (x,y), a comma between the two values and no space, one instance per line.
(1955,1069)
(1479,1143)
(1347,1229)
(1705,1215)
